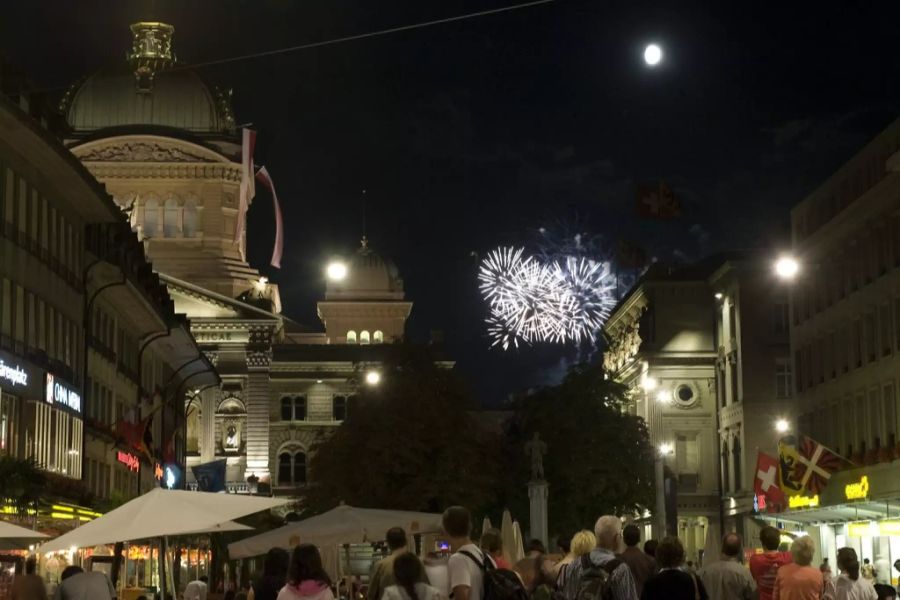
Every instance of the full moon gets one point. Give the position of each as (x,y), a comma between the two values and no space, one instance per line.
(652,54)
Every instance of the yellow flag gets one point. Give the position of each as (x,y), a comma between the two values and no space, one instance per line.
(788,459)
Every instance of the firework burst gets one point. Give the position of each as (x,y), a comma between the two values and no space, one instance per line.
(533,301)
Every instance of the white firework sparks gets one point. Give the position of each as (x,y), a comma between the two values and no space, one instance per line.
(531,302)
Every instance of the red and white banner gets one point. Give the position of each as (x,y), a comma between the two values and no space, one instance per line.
(815,465)
(266,180)
(248,188)
(766,481)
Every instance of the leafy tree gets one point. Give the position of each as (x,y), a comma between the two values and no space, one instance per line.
(408,443)
(21,482)
(599,458)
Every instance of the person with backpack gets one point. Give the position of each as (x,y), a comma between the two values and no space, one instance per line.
(600,575)
(468,564)
(672,582)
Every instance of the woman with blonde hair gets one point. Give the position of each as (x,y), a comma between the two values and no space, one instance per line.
(582,543)
(799,580)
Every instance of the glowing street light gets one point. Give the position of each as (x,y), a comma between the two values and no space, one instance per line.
(649,384)
(663,396)
(666,449)
(336,271)
(787,267)
(653,54)
(782,426)
(373,377)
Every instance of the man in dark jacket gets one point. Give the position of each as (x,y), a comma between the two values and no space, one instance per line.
(642,566)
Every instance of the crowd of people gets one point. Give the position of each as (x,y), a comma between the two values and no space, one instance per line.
(607,563)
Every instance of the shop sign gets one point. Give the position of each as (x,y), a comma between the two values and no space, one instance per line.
(803,501)
(129,460)
(12,374)
(157,472)
(61,394)
(759,502)
(858,490)
(889,527)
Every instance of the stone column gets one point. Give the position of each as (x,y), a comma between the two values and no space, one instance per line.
(208,401)
(258,397)
(537,496)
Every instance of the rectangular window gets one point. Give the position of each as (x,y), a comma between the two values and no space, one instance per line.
(886,328)
(6,311)
(22,200)
(781,317)
(782,378)
(890,416)
(732,319)
(798,363)
(733,375)
(876,419)
(856,344)
(687,461)
(20,315)
(871,352)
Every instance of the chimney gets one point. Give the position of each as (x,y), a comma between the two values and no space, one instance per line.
(151,51)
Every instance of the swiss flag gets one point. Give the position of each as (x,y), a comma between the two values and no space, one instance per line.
(766,481)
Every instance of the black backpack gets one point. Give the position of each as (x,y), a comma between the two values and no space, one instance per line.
(499,584)
(595,582)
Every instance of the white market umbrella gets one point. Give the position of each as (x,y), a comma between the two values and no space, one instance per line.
(160,513)
(341,525)
(13,536)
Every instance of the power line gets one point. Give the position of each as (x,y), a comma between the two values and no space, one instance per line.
(361,36)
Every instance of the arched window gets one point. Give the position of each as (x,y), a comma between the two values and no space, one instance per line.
(299,468)
(285,468)
(193,427)
(736,454)
(339,408)
(170,218)
(151,217)
(190,218)
(286,408)
(378,337)
(300,408)
(363,337)
(351,337)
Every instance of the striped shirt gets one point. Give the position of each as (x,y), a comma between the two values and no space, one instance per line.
(622,581)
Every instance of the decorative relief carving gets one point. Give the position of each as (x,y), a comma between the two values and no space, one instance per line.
(140,152)
(623,347)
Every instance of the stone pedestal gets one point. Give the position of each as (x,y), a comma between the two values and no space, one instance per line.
(537,496)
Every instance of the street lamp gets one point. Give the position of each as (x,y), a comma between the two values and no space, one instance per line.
(663,396)
(373,377)
(649,383)
(786,267)
(782,426)
(666,449)
(336,270)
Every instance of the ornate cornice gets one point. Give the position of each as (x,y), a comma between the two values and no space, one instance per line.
(259,360)
(141,152)
(189,171)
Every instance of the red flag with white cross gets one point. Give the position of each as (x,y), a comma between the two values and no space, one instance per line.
(766,481)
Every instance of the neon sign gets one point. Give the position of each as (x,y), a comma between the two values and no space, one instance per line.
(129,460)
(858,490)
(14,374)
(58,393)
(803,501)
(158,472)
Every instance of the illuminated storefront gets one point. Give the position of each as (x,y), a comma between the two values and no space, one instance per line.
(859,508)
(40,417)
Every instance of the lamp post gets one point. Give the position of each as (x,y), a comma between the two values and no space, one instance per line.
(665,449)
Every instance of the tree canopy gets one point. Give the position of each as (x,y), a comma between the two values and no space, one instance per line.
(599,457)
(410,443)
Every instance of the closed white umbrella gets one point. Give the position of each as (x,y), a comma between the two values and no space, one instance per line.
(518,550)
(509,540)
(160,513)
(486,524)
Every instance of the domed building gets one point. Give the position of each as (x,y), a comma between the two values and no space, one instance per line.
(366,306)
(164,142)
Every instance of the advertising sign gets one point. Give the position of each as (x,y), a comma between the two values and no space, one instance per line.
(18,376)
(60,394)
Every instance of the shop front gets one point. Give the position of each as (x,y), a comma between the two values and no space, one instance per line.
(859,508)
(40,416)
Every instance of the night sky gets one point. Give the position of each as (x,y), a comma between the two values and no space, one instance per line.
(474,134)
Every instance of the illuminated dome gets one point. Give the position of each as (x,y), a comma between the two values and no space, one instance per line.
(369,277)
(151,89)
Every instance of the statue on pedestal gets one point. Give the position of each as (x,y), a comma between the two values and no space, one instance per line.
(536,448)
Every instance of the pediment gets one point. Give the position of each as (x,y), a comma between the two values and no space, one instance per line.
(199,303)
(145,149)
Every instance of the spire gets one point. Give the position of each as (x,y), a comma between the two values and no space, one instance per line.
(364,246)
(151,51)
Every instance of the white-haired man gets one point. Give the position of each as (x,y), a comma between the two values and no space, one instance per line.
(590,575)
